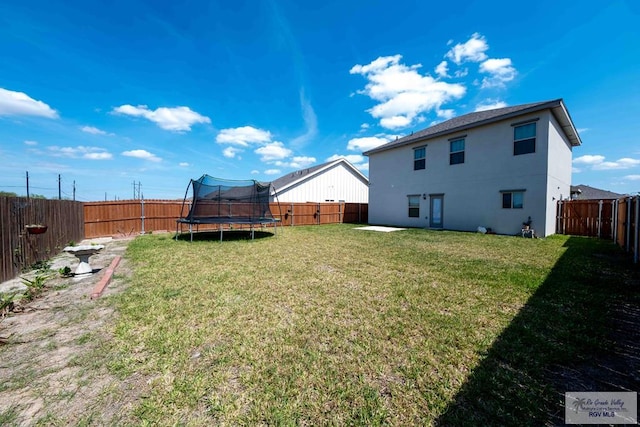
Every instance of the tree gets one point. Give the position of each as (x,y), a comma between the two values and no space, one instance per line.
(7,194)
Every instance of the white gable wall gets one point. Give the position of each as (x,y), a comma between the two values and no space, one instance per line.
(472,190)
(334,184)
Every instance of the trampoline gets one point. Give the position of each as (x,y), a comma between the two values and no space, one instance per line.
(221,201)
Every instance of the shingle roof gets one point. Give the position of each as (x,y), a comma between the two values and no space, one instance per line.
(479,118)
(584,192)
(300,175)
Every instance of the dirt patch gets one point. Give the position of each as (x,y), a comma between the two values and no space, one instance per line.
(51,371)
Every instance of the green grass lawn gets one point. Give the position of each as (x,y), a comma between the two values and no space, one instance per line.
(331,325)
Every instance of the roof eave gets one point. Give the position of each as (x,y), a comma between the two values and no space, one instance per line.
(327,166)
(562,116)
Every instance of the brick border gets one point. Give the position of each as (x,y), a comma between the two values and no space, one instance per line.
(102,284)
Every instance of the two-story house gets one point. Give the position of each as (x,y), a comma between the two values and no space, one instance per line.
(491,169)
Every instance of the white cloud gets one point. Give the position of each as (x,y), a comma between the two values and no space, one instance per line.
(310,121)
(583,130)
(445,114)
(401,92)
(230,152)
(20,104)
(490,104)
(300,162)
(364,126)
(632,177)
(597,162)
(575,169)
(243,136)
(624,163)
(354,159)
(395,122)
(442,69)
(588,159)
(500,71)
(183,164)
(80,152)
(31,143)
(98,156)
(255,172)
(272,172)
(472,50)
(368,142)
(142,154)
(175,119)
(461,73)
(273,151)
(93,130)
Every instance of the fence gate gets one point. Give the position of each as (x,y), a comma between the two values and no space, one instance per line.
(607,219)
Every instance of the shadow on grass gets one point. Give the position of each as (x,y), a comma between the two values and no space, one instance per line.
(578,332)
(227,235)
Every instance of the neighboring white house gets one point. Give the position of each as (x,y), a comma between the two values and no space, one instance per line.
(492,168)
(333,181)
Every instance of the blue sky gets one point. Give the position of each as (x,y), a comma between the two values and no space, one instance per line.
(161,92)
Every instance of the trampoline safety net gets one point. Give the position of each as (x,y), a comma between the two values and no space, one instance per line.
(221,201)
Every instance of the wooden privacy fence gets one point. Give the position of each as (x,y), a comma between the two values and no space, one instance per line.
(586,218)
(607,219)
(130,217)
(21,249)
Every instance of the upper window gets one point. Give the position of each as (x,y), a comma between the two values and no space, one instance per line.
(512,199)
(524,139)
(414,206)
(419,158)
(456,151)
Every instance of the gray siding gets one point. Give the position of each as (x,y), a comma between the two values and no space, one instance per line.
(472,190)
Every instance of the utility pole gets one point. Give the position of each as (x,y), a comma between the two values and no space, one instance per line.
(59,189)
(74,190)
(27,185)
(137,190)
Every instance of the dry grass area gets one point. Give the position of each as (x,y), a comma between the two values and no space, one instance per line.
(331,325)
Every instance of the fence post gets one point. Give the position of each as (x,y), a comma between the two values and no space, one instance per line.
(635,232)
(142,214)
(292,224)
(627,222)
(559,217)
(614,219)
(600,218)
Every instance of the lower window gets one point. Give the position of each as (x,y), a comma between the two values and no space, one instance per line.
(512,199)
(414,206)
